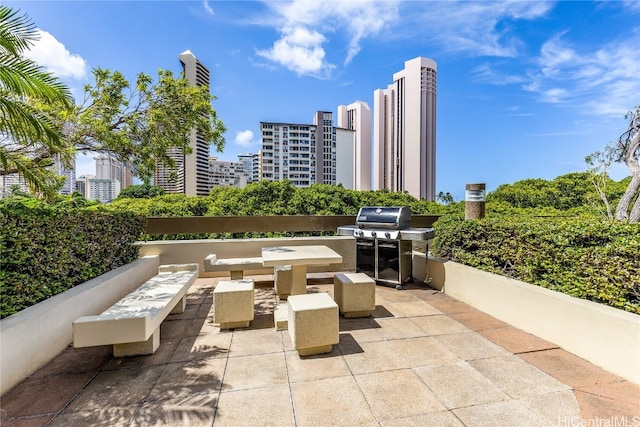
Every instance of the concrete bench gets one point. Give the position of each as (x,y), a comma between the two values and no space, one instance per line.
(235,266)
(132,325)
(233,303)
(313,323)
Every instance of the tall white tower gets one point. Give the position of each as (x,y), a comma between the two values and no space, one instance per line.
(405,131)
(357,117)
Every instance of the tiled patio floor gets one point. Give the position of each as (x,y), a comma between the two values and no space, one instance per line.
(422,359)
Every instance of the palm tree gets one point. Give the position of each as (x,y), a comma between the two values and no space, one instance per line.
(28,137)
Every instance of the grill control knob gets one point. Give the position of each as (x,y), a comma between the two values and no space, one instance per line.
(387,235)
(359,233)
(373,234)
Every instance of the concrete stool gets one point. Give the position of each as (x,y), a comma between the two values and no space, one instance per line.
(289,280)
(233,303)
(281,316)
(355,294)
(313,323)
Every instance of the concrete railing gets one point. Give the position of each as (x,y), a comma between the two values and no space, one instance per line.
(35,335)
(603,335)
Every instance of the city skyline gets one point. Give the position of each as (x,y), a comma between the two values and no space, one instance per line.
(525,89)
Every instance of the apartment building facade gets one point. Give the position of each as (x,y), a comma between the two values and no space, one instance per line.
(404,131)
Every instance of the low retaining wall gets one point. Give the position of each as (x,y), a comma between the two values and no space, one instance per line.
(34,336)
(603,335)
(190,251)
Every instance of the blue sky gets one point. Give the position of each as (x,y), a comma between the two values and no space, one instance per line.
(525,89)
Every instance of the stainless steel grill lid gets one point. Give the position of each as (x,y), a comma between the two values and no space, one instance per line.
(395,217)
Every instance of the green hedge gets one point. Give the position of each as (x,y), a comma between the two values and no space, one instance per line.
(584,258)
(49,249)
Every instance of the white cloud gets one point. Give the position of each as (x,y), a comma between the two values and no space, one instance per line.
(244,138)
(300,50)
(54,56)
(303,26)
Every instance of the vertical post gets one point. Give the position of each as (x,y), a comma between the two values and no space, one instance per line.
(474,203)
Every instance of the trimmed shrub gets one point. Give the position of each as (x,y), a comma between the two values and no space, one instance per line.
(584,258)
(49,249)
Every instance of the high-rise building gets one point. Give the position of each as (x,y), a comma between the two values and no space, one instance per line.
(227,174)
(288,152)
(256,166)
(345,157)
(357,117)
(247,162)
(325,147)
(191,172)
(404,135)
(69,174)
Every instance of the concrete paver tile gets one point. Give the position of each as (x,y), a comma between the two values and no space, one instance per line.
(200,326)
(199,376)
(448,305)
(122,387)
(599,410)
(189,313)
(396,394)
(559,407)
(270,406)
(458,385)
(375,357)
(423,351)
(416,308)
(160,357)
(42,395)
(516,340)
(396,328)
(26,422)
(119,416)
(391,294)
(192,411)
(76,361)
(310,368)
(476,320)
(471,346)
(621,390)
(568,368)
(261,370)
(172,329)
(516,377)
(386,309)
(209,344)
(439,324)
(436,419)
(255,341)
(331,402)
(499,414)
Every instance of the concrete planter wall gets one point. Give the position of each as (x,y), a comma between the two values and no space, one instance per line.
(188,251)
(34,336)
(603,335)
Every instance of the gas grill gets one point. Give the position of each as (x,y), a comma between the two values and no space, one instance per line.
(384,243)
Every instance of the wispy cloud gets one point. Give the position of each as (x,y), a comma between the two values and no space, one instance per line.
(49,53)
(476,28)
(603,81)
(207,7)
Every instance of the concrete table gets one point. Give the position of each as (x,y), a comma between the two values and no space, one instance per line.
(299,257)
